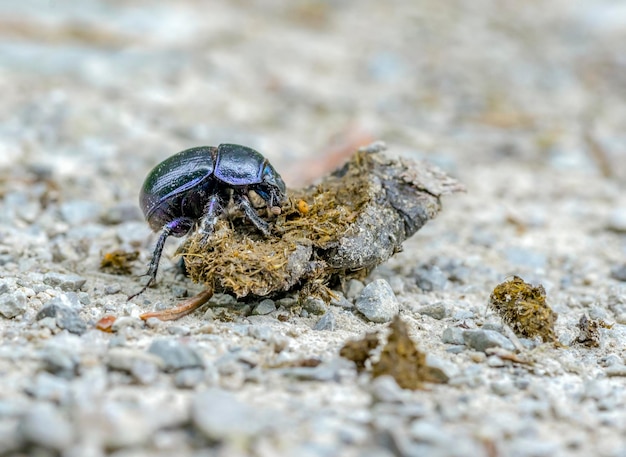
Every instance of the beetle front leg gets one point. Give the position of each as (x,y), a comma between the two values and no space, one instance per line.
(211,213)
(244,203)
(178,227)
(154,262)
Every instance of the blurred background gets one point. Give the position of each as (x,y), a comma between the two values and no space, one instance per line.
(109,88)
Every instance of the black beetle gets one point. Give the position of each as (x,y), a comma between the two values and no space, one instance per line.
(192,188)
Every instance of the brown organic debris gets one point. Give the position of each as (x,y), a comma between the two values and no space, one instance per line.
(118,262)
(105,324)
(590,331)
(402,360)
(505,354)
(399,357)
(182,309)
(310,362)
(352,220)
(359,351)
(523,307)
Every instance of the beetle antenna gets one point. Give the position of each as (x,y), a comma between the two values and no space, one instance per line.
(154,263)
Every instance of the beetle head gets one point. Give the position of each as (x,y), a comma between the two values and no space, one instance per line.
(272,188)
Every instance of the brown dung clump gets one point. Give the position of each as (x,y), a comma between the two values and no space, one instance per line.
(402,360)
(523,307)
(359,351)
(352,220)
(399,357)
(118,262)
(589,331)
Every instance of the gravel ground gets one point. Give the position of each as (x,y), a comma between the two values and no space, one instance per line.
(524,102)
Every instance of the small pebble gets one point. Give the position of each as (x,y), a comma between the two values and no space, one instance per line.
(448,368)
(453,335)
(10,438)
(616,370)
(175,355)
(266,306)
(354,288)
(178,330)
(154,323)
(597,389)
(462,315)
(62,250)
(314,305)
(377,302)
(48,387)
(436,310)
(141,365)
(495,362)
(188,378)
(456,271)
(73,300)
(567,339)
(326,322)
(77,212)
(599,314)
(477,357)
(456,348)
(111,289)
(621,318)
(132,233)
(617,220)
(126,322)
(611,359)
(44,425)
(324,372)
(83,298)
(60,361)
(86,232)
(340,300)
(481,340)
(12,304)
(118,340)
(179,291)
(503,387)
(619,272)
(428,432)
(64,281)
(528,258)
(66,317)
(123,427)
(495,326)
(287,302)
(222,300)
(68,300)
(430,278)
(219,415)
(398,284)
(386,389)
(261,332)
(121,212)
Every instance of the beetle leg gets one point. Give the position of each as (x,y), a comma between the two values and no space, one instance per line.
(211,213)
(177,227)
(244,203)
(154,262)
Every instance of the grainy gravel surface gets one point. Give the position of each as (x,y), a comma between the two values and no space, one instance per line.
(524,102)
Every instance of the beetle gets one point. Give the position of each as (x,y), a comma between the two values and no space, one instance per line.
(192,188)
